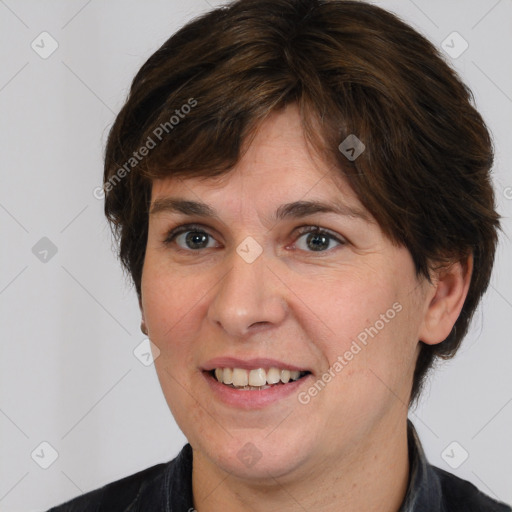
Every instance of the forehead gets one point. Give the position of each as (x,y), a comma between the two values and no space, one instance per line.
(277,168)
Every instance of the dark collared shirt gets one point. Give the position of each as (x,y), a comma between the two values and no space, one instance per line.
(168,488)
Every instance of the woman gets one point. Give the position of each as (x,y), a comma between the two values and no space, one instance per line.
(301,194)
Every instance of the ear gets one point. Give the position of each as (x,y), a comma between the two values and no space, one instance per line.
(143,326)
(449,290)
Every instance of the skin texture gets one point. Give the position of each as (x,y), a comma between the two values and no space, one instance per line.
(348,444)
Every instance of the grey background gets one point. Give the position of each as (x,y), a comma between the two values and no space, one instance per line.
(70,324)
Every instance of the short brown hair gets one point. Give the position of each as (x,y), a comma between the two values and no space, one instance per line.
(352,68)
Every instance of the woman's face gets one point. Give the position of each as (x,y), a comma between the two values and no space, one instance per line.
(248,283)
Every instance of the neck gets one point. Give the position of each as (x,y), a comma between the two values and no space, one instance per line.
(372,476)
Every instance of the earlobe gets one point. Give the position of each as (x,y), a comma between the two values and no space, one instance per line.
(451,285)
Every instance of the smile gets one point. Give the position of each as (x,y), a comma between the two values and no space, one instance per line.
(255,379)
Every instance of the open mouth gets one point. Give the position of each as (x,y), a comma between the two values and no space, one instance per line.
(256,379)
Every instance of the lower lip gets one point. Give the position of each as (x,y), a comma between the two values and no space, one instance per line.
(252,399)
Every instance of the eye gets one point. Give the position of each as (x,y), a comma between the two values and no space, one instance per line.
(318,239)
(190,237)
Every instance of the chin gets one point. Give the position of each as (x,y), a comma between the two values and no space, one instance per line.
(258,456)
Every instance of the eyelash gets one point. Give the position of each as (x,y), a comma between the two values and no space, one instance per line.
(303,230)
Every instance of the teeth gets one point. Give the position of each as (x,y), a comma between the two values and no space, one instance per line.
(227,377)
(240,377)
(256,378)
(273,376)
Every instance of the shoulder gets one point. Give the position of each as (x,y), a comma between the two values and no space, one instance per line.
(122,494)
(459,494)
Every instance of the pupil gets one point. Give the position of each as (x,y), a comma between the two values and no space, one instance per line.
(318,246)
(196,239)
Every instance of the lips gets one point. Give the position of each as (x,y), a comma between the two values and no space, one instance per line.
(253,374)
(249,398)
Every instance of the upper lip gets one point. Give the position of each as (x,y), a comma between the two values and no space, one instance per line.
(249,364)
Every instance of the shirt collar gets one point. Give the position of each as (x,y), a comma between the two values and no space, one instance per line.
(177,485)
(424,490)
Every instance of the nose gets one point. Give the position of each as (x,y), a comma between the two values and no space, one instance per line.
(249,297)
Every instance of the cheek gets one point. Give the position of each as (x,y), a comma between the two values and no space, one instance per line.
(372,327)
(173,306)
(353,305)
(169,298)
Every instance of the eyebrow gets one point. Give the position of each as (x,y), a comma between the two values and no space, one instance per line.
(296,210)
